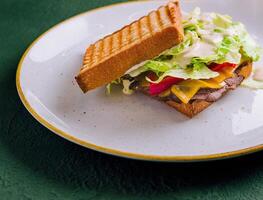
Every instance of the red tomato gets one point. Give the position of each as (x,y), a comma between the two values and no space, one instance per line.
(218,67)
(167,82)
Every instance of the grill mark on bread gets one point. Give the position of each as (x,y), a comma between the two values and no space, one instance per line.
(141,40)
(97,51)
(125,36)
(101,54)
(88,57)
(115,42)
(139,29)
(120,39)
(92,52)
(129,34)
(159,22)
(145,27)
(171,9)
(154,22)
(107,46)
(89,52)
(110,45)
(164,16)
(149,25)
(134,32)
(168,16)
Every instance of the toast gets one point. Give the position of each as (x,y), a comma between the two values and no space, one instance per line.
(110,57)
(195,107)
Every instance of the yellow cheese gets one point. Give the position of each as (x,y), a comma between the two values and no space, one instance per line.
(224,74)
(185,90)
(184,93)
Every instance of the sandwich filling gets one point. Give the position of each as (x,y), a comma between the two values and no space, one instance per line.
(205,65)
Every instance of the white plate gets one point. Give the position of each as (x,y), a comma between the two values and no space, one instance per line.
(135,126)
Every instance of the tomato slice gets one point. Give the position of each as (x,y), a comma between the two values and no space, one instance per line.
(167,82)
(218,67)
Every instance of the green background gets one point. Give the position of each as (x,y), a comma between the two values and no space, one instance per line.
(37,164)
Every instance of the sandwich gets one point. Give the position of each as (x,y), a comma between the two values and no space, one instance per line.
(188,62)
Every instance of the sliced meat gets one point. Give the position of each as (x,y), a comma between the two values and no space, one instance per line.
(234,82)
(212,95)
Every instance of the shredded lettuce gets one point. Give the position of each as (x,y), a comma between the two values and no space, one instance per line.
(250,48)
(152,65)
(221,39)
(229,50)
(199,71)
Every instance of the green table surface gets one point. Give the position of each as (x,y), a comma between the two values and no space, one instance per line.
(37,164)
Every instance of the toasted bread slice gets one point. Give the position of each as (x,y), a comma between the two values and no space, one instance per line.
(110,57)
(197,106)
(190,109)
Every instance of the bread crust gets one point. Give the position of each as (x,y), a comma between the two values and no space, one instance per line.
(197,106)
(190,109)
(144,39)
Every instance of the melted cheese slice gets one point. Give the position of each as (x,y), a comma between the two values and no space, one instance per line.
(224,74)
(185,90)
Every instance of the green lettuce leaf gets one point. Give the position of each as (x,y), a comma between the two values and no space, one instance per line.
(197,72)
(250,48)
(229,50)
(152,65)
(239,38)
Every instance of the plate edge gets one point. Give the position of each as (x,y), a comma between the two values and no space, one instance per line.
(110,151)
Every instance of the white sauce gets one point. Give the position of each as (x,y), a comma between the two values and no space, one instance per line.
(136,67)
(200,49)
(215,38)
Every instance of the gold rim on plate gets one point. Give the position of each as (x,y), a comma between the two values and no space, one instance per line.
(108,150)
